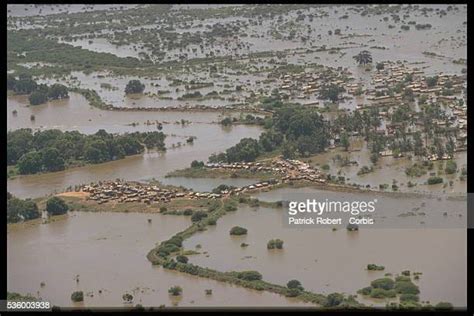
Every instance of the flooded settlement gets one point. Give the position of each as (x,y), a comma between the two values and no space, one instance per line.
(152,151)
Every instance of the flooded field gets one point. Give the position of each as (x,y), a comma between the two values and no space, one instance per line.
(370,96)
(335,261)
(108,252)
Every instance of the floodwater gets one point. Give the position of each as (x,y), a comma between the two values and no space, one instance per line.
(76,114)
(327,261)
(389,169)
(108,252)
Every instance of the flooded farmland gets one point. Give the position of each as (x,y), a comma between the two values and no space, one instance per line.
(336,261)
(107,252)
(234,109)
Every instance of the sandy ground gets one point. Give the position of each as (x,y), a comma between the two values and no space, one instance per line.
(74,194)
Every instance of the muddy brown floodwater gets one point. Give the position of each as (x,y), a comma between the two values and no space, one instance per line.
(108,252)
(335,261)
(75,114)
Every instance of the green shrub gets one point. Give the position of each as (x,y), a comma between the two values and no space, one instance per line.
(56,206)
(198,215)
(334,299)
(249,275)
(383,283)
(77,296)
(182,259)
(409,297)
(175,290)
(435,180)
(237,230)
(451,167)
(374,267)
(406,287)
(295,284)
(275,244)
(444,306)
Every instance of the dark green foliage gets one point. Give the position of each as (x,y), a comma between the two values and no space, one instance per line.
(52,160)
(409,297)
(221,188)
(295,284)
(330,92)
(30,163)
(249,275)
(275,244)
(197,164)
(366,290)
(383,283)
(444,306)
(237,230)
(435,180)
(175,290)
(51,150)
(134,86)
(294,129)
(18,209)
(431,81)
(188,212)
(334,299)
(56,206)
(182,259)
(375,267)
(57,91)
(363,58)
(246,150)
(451,167)
(406,287)
(77,296)
(38,97)
(198,215)
(382,293)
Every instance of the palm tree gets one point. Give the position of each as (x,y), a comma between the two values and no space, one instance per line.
(363,58)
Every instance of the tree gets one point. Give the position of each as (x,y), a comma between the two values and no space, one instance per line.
(363,58)
(56,206)
(127,297)
(294,284)
(198,215)
(379,66)
(345,141)
(134,86)
(451,167)
(30,163)
(25,86)
(52,160)
(197,164)
(237,230)
(431,81)
(246,150)
(58,91)
(334,299)
(77,296)
(275,244)
(38,97)
(18,210)
(330,92)
(175,290)
(383,283)
(182,259)
(249,275)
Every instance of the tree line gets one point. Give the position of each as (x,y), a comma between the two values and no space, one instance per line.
(24,210)
(39,93)
(293,129)
(54,150)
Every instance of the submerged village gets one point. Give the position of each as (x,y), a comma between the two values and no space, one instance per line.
(169,136)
